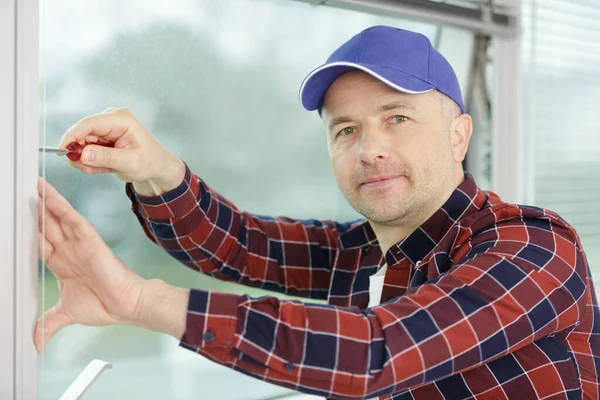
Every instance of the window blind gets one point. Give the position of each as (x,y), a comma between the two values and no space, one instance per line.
(561,119)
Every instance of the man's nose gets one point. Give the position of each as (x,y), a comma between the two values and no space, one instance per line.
(374,146)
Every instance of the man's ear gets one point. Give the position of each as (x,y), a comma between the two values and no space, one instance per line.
(460,135)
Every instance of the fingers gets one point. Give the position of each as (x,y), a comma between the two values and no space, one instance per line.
(71,222)
(48,226)
(93,170)
(113,159)
(45,248)
(56,204)
(51,322)
(110,125)
(107,126)
(114,126)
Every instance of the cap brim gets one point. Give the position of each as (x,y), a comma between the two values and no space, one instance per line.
(316,84)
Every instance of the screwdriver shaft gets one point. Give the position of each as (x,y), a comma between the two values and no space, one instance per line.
(54,150)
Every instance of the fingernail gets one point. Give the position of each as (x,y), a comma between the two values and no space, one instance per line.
(88,154)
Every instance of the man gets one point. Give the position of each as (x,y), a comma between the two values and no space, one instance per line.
(444,291)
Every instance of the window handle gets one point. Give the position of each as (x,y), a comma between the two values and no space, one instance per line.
(87,377)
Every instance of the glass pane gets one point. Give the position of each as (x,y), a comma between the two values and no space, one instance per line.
(217,82)
(561,81)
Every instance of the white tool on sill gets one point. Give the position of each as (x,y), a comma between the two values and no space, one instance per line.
(87,377)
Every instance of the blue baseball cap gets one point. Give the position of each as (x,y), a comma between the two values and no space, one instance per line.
(404,60)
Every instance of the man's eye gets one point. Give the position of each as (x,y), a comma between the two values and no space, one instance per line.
(399,119)
(346,131)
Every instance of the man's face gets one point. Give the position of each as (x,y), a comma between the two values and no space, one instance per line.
(391,152)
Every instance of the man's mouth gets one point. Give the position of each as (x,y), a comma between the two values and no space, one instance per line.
(379,181)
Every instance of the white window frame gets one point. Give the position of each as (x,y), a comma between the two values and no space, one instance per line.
(19,161)
(19,27)
(507,139)
(477,19)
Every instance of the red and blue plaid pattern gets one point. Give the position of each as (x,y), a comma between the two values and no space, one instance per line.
(486,300)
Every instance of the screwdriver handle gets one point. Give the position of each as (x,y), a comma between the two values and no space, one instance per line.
(76,149)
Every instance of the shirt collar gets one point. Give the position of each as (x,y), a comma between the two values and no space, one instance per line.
(466,199)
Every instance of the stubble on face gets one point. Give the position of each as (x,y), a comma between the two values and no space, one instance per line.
(419,153)
(409,198)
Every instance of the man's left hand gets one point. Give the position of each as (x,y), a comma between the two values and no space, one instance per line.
(96,287)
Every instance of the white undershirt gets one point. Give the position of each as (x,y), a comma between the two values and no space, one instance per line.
(376,286)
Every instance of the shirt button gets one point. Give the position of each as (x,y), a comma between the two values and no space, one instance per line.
(209,336)
(289,366)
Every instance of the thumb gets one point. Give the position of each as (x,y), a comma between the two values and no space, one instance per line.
(106,157)
(51,322)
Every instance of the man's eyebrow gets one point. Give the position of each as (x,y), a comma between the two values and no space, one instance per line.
(339,120)
(397,105)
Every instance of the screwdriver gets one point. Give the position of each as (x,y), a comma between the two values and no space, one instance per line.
(72,151)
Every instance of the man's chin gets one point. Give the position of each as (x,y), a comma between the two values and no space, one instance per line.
(385,220)
(383,217)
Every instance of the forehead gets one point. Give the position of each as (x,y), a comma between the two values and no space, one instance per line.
(357,91)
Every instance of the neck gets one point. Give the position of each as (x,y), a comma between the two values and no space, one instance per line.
(390,234)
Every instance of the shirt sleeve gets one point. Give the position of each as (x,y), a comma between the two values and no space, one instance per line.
(204,231)
(501,296)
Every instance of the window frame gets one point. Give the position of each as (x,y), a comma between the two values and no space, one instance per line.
(19,163)
(507,138)
(19,27)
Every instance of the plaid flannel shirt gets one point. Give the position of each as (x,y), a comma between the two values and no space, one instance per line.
(486,300)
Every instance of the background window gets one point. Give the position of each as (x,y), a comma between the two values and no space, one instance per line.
(561,61)
(217,82)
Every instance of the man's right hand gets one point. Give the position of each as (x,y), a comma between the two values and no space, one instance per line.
(136,156)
